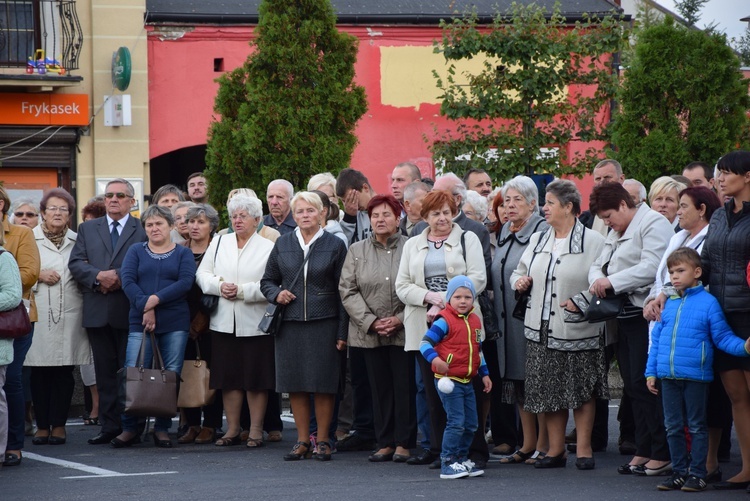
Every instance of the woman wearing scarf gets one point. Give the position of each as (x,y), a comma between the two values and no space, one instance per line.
(60,343)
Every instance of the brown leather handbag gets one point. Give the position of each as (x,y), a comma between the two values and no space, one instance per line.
(194,390)
(150,392)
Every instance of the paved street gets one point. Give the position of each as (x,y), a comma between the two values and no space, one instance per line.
(78,471)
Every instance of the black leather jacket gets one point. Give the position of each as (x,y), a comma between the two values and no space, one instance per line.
(725,256)
(317,296)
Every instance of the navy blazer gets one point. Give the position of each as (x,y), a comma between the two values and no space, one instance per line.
(93,253)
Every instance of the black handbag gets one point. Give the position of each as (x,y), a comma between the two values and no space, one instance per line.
(522,304)
(271,321)
(150,392)
(605,308)
(209,302)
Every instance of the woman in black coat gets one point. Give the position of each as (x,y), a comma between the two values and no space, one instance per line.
(314,324)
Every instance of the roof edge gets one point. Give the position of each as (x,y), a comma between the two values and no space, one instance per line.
(365,19)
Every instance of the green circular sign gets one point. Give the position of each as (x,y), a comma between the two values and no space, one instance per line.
(121,68)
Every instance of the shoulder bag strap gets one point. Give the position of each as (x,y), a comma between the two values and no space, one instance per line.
(216,251)
(299,272)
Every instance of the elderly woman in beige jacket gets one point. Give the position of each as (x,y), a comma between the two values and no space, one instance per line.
(242,358)
(442,251)
(564,361)
(376,315)
(60,343)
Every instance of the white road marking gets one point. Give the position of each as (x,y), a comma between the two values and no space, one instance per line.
(96,472)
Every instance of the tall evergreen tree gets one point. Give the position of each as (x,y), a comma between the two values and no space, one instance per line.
(683,99)
(290,111)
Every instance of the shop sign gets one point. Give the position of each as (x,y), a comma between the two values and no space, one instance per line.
(44,109)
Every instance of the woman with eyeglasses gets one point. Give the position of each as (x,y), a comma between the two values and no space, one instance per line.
(24,212)
(60,343)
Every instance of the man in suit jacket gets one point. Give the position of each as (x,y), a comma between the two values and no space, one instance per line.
(95,263)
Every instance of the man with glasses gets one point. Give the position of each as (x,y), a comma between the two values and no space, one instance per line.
(95,264)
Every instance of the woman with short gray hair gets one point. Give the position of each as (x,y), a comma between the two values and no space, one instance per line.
(475,206)
(564,361)
(521,205)
(242,356)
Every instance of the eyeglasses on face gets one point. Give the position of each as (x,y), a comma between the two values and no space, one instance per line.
(119,195)
(53,208)
(25,214)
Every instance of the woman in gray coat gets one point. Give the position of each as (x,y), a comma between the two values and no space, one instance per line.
(522,209)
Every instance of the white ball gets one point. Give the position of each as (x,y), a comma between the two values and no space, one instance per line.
(445,385)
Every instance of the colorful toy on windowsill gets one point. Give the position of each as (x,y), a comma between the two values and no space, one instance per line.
(43,64)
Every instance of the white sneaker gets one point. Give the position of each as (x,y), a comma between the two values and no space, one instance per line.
(471,468)
(451,471)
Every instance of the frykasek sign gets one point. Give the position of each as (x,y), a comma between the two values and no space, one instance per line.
(44,109)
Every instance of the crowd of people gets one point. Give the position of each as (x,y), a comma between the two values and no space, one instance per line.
(411,322)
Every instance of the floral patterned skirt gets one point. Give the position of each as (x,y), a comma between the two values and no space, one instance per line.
(557,380)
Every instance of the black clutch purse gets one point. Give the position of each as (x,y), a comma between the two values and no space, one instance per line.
(605,308)
(271,320)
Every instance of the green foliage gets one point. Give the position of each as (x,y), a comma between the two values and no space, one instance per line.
(690,10)
(683,99)
(290,111)
(520,106)
(742,46)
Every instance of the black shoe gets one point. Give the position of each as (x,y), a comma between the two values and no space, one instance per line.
(436,465)
(673,483)
(694,484)
(585,463)
(731,486)
(53,440)
(479,464)
(594,448)
(425,458)
(12,459)
(324,452)
(103,438)
(40,440)
(714,476)
(380,458)
(355,442)
(552,462)
(120,444)
(164,444)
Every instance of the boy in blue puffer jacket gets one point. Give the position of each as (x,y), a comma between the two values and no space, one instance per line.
(681,356)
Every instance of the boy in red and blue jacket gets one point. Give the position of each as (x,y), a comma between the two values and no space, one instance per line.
(681,356)
(453,346)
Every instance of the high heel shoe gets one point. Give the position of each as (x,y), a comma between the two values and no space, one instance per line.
(164,444)
(301,450)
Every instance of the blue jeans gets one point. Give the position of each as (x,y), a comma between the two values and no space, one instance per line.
(172,348)
(685,403)
(461,414)
(14,392)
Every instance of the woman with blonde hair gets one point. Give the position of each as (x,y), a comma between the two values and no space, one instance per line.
(314,324)
(664,198)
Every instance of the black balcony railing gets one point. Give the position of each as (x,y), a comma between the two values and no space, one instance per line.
(34,30)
